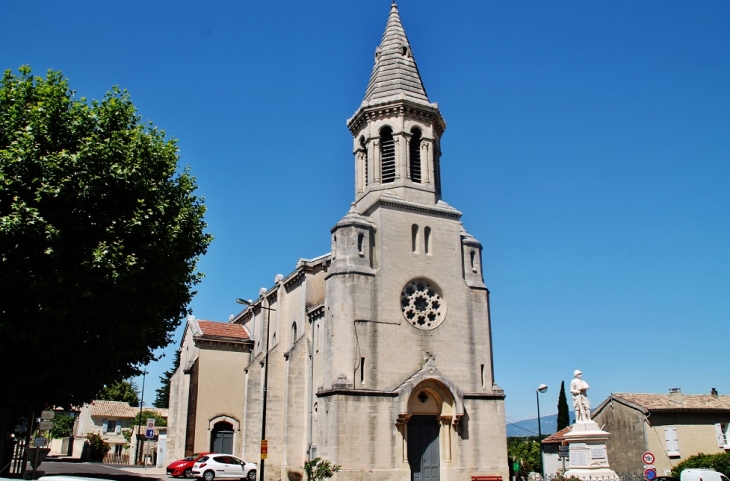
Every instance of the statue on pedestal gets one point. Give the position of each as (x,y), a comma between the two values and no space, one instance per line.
(579,390)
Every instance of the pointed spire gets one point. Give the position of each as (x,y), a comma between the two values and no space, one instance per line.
(395,73)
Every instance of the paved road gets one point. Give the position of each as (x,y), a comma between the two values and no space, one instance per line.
(101,471)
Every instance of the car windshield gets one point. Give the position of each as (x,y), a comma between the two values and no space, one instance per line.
(188,458)
(203,459)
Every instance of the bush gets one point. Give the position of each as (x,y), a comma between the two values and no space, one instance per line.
(319,469)
(98,447)
(63,426)
(719,462)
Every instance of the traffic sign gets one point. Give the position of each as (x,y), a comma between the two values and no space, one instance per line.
(48,415)
(650,474)
(648,458)
(45,425)
(264,448)
(150,423)
(149,433)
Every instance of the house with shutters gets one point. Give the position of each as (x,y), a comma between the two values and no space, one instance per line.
(108,419)
(671,426)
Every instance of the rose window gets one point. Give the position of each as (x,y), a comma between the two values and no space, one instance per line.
(422,304)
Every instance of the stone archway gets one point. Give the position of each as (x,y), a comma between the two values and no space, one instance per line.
(427,429)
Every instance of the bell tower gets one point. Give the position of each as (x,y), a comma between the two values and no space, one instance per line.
(396,130)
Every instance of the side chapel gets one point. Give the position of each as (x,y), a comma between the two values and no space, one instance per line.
(380,352)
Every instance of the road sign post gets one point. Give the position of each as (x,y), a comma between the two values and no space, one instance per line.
(648,458)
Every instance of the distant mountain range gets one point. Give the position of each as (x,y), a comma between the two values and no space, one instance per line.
(528,427)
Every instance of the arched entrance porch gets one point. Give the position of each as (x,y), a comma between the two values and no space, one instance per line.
(427,429)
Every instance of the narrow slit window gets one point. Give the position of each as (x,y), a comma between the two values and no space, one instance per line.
(364,147)
(360,240)
(427,240)
(414,238)
(293,334)
(415,155)
(482,374)
(387,155)
(472,256)
(362,370)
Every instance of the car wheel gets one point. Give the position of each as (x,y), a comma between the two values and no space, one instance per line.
(251,476)
(188,473)
(208,475)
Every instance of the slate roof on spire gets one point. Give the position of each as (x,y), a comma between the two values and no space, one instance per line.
(395,73)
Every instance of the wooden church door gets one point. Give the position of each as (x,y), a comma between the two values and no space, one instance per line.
(423,448)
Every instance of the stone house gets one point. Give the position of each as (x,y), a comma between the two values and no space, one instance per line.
(108,419)
(376,356)
(206,391)
(671,426)
(552,463)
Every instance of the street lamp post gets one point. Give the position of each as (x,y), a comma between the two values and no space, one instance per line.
(266,377)
(139,424)
(541,388)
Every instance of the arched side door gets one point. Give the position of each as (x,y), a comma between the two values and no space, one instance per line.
(221,439)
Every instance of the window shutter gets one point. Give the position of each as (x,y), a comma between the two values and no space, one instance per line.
(670,434)
(104,424)
(118,429)
(719,434)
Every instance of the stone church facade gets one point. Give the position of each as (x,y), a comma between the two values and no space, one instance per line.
(380,352)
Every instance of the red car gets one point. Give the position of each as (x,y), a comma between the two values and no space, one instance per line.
(184,467)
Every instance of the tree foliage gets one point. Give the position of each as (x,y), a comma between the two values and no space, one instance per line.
(525,451)
(162,394)
(63,426)
(563,410)
(141,419)
(318,469)
(100,233)
(124,390)
(719,462)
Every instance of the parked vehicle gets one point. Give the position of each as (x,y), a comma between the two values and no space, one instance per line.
(216,465)
(184,467)
(702,475)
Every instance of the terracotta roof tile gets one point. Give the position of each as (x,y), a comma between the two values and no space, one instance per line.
(557,438)
(663,402)
(222,329)
(112,409)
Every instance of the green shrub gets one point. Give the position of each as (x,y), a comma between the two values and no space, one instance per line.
(719,462)
(319,469)
(63,426)
(98,447)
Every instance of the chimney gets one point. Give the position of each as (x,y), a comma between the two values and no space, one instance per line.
(675,395)
(714,392)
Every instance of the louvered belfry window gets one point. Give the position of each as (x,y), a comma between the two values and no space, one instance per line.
(387,155)
(415,154)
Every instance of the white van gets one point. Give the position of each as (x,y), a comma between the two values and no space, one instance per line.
(702,475)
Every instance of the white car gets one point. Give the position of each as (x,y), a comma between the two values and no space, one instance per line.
(214,465)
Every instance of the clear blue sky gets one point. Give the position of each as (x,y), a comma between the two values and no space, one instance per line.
(588,145)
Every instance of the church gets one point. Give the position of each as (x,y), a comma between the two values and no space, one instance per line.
(376,356)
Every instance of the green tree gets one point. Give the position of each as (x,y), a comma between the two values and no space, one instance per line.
(63,426)
(162,394)
(563,410)
(141,419)
(125,391)
(100,234)
(719,462)
(525,451)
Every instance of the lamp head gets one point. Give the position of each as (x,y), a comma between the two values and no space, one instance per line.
(542,388)
(244,302)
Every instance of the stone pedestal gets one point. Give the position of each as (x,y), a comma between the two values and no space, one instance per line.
(588,458)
